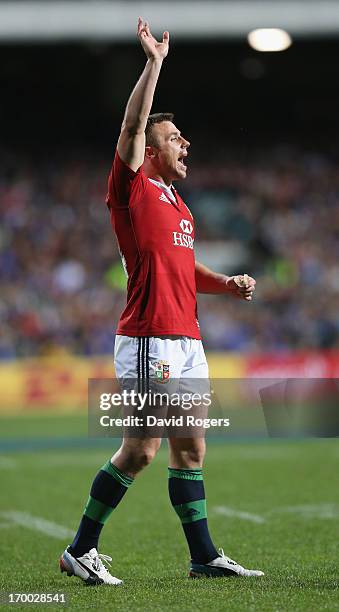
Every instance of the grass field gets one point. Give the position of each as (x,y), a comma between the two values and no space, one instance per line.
(272,505)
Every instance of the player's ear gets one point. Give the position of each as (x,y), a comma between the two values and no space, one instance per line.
(150,152)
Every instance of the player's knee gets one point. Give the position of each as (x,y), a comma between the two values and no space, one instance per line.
(145,456)
(190,454)
(141,455)
(195,455)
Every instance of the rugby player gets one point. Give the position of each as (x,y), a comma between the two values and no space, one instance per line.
(158,333)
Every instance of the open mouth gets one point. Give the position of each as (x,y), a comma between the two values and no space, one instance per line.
(181,162)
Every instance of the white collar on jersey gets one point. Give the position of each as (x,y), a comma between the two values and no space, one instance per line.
(165,188)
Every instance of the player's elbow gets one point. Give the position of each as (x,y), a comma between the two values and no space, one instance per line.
(132,128)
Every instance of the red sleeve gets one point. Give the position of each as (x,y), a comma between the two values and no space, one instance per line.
(125,187)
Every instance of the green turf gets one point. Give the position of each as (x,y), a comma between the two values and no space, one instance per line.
(38,424)
(297,551)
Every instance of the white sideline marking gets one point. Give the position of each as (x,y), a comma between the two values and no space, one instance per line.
(7,463)
(36,523)
(311,511)
(245,516)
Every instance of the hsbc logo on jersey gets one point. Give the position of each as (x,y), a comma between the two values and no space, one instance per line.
(186,226)
(184,238)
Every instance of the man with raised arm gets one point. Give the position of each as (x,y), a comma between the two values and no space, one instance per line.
(158,334)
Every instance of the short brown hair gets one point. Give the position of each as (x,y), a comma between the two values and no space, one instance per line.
(151,121)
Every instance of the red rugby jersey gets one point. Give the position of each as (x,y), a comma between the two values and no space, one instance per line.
(155,237)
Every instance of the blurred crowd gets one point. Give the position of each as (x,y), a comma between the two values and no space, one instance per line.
(63,286)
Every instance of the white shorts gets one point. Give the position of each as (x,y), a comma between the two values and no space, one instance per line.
(174,367)
(160,359)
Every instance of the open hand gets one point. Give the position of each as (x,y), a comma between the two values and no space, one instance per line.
(242,286)
(152,48)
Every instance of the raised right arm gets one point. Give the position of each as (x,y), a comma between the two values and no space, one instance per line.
(131,143)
